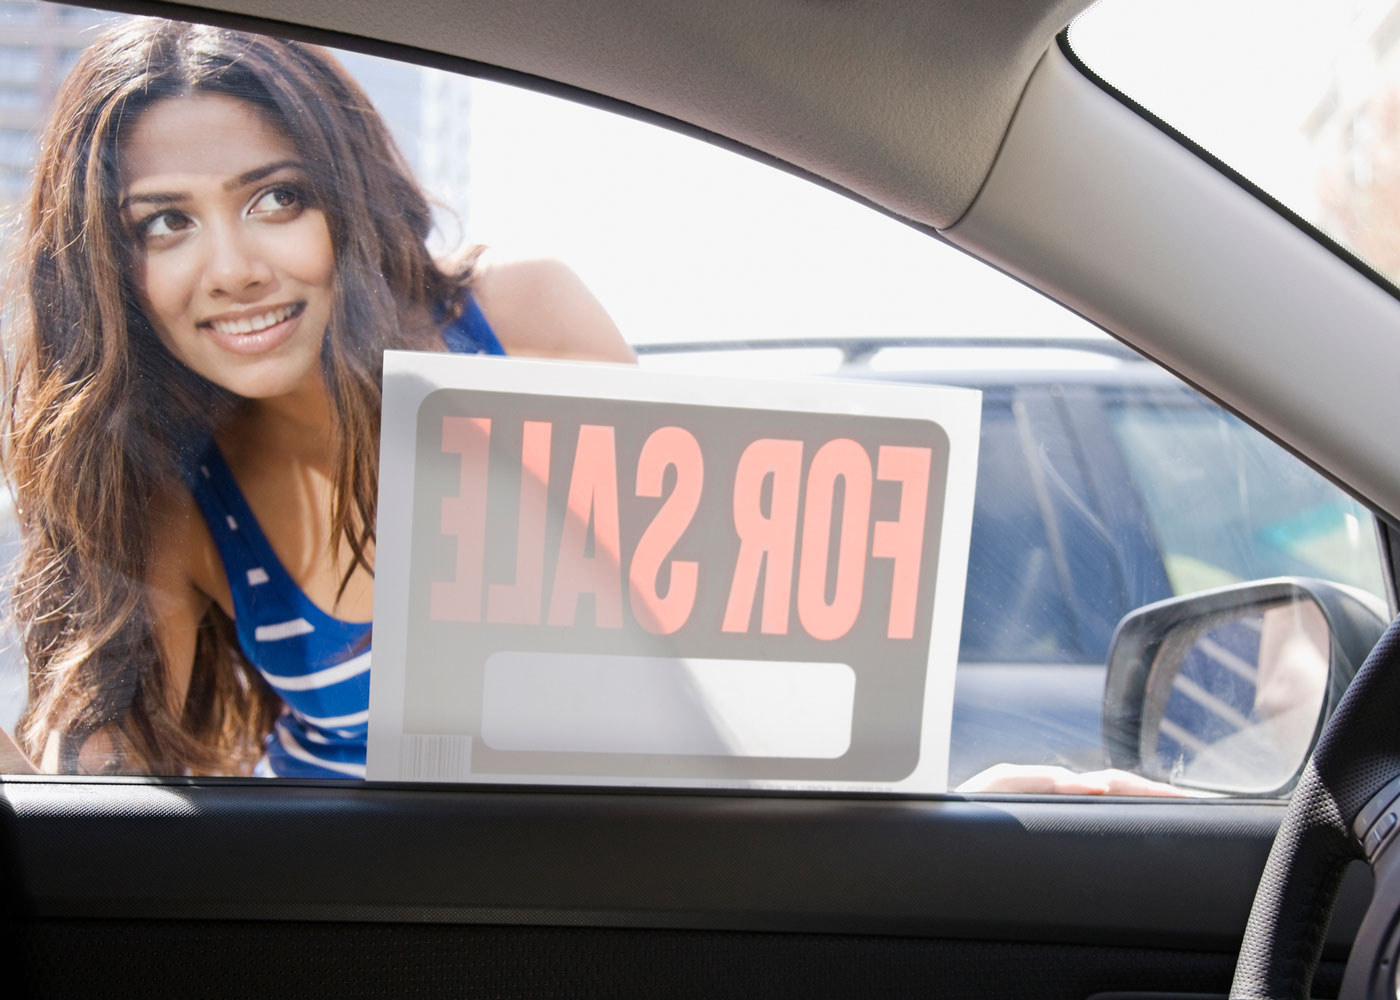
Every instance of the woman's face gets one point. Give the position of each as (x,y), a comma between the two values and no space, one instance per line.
(234,257)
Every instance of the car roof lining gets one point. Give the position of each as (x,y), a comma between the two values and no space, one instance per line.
(785,77)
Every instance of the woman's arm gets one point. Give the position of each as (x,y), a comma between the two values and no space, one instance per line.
(183,568)
(185,571)
(540,308)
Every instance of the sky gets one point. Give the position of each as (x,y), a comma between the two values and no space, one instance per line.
(1238,76)
(686,242)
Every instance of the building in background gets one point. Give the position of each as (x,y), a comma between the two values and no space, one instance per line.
(429,114)
(444,164)
(1354,131)
(428,111)
(39,43)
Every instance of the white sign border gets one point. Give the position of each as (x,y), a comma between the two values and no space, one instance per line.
(411,376)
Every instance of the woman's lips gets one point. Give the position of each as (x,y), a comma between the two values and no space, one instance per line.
(255,333)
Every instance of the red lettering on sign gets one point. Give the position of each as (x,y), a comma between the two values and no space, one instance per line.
(772,487)
(765,543)
(464,516)
(592,503)
(840,459)
(518,603)
(664,448)
(903,540)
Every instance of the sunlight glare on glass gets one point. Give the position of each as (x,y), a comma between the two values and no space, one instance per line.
(684,241)
(1302,97)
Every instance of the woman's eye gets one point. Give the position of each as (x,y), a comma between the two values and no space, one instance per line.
(165,224)
(277,200)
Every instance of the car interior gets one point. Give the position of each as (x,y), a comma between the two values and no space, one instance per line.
(980,127)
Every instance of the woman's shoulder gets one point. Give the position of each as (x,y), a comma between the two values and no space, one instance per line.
(541,308)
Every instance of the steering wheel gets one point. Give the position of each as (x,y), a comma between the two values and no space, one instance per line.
(1345,807)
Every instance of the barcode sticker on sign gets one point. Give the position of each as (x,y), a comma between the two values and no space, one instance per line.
(435,758)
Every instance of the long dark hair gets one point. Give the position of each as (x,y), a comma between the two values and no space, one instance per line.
(100,418)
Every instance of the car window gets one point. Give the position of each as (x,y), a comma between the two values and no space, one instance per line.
(1256,529)
(1012,554)
(1297,97)
(1102,484)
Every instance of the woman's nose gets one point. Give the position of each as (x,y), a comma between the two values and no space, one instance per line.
(235,264)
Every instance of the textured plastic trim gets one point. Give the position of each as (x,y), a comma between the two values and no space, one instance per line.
(1154,874)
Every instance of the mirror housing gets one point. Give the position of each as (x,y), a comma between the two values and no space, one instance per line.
(1226,690)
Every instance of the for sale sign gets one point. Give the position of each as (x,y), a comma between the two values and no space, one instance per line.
(597,574)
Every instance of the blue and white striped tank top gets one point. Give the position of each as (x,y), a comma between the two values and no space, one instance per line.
(317,663)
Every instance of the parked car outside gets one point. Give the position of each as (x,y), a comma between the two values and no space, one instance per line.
(1095,469)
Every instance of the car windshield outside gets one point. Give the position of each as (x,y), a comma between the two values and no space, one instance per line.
(1103,483)
(1300,97)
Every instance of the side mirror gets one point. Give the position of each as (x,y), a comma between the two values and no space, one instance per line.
(1227,690)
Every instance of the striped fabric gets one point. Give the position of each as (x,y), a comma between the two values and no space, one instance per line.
(317,663)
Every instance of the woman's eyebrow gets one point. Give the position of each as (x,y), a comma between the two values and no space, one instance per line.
(153,198)
(258,173)
(232,184)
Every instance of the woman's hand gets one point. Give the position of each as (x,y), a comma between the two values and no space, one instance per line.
(1047,779)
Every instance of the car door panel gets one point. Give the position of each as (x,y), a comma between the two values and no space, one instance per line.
(1150,894)
(497,962)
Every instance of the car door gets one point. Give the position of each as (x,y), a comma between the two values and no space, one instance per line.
(1037,596)
(139,886)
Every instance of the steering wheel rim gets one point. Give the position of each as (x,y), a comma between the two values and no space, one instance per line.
(1356,756)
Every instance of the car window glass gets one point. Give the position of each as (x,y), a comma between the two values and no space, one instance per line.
(1255,529)
(1012,557)
(1299,97)
(1103,484)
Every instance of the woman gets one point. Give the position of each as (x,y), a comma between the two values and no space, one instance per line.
(221,242)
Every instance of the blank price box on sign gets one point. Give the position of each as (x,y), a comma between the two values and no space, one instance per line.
(591,574)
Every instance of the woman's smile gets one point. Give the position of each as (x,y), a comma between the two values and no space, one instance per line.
(234,254)
(256,332)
